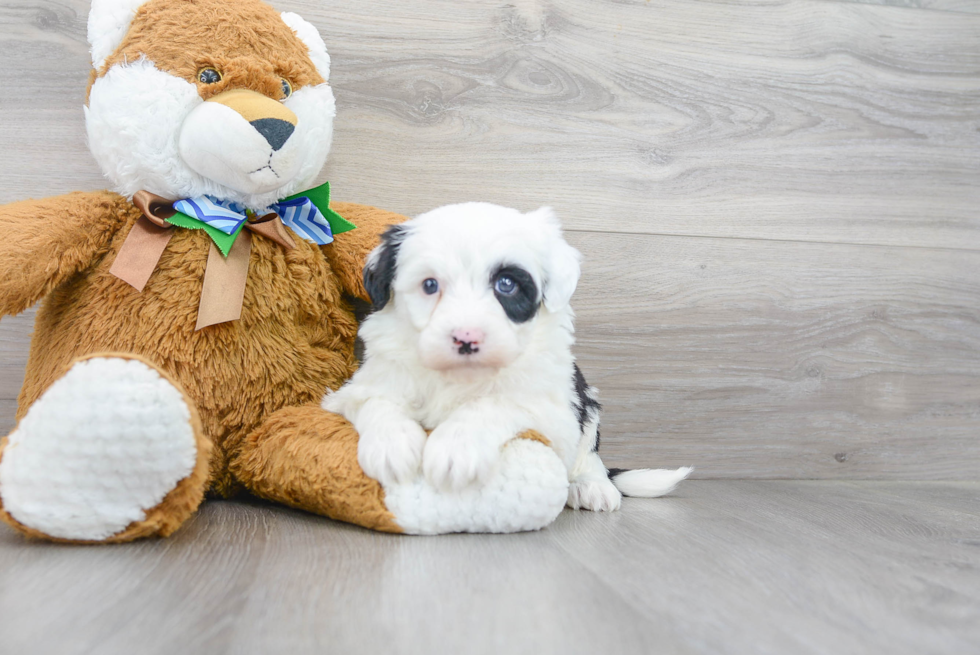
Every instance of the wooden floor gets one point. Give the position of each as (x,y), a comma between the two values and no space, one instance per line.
(748,567)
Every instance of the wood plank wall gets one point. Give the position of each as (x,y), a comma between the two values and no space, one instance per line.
(778,201)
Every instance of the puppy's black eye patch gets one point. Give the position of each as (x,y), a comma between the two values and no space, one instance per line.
(516,292)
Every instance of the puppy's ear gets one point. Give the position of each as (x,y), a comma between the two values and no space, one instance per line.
(381,266)
(562,266)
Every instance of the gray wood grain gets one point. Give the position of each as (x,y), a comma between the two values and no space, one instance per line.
(708,158)
(15,339)
(797,120)
(965,6)
(719,567)
(793,360)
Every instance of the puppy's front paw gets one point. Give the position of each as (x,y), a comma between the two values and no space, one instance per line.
(455,457)
(598,496)
(392,455)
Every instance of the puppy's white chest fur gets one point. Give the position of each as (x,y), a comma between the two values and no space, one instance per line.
(534,392)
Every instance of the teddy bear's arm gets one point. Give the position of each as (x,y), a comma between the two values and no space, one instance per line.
(349,250)
(45,242)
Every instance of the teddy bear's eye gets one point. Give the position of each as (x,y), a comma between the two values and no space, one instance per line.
(287,89)
(209,76)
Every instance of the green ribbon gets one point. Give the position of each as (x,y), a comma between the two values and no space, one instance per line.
(319,196)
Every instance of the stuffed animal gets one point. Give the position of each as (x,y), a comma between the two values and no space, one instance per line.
(193,317)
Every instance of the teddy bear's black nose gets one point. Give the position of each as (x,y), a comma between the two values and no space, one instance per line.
(276,131)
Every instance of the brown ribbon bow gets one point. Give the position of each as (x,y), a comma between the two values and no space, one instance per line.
(224,277)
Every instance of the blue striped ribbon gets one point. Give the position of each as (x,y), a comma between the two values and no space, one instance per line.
(300,214)
(305,219)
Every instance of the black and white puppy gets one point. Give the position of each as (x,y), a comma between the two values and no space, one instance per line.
(471,338)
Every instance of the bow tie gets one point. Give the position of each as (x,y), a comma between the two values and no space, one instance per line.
(308,214)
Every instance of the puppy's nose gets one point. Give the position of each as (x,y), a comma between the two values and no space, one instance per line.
(468,340)
(276,131)
(470,335)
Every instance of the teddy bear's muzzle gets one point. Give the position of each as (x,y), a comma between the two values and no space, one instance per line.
(241,139)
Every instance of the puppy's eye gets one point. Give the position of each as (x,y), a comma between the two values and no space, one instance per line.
(287,89)
(430,286)
(208,76)
(505,285)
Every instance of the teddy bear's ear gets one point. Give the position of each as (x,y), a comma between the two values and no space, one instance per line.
(313,41)
(108,22)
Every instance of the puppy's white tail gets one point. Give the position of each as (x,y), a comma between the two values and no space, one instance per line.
(648,483)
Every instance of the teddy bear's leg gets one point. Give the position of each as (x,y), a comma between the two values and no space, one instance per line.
(306,457)
(111,452)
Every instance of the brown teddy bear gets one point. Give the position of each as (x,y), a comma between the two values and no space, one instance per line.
(194,316)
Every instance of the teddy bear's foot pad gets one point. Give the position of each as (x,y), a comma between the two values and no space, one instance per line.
(104,444)
(527,492)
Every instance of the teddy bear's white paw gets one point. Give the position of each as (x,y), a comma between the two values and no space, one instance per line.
(391,455)
(101,446)
(596,495)
(526,491)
